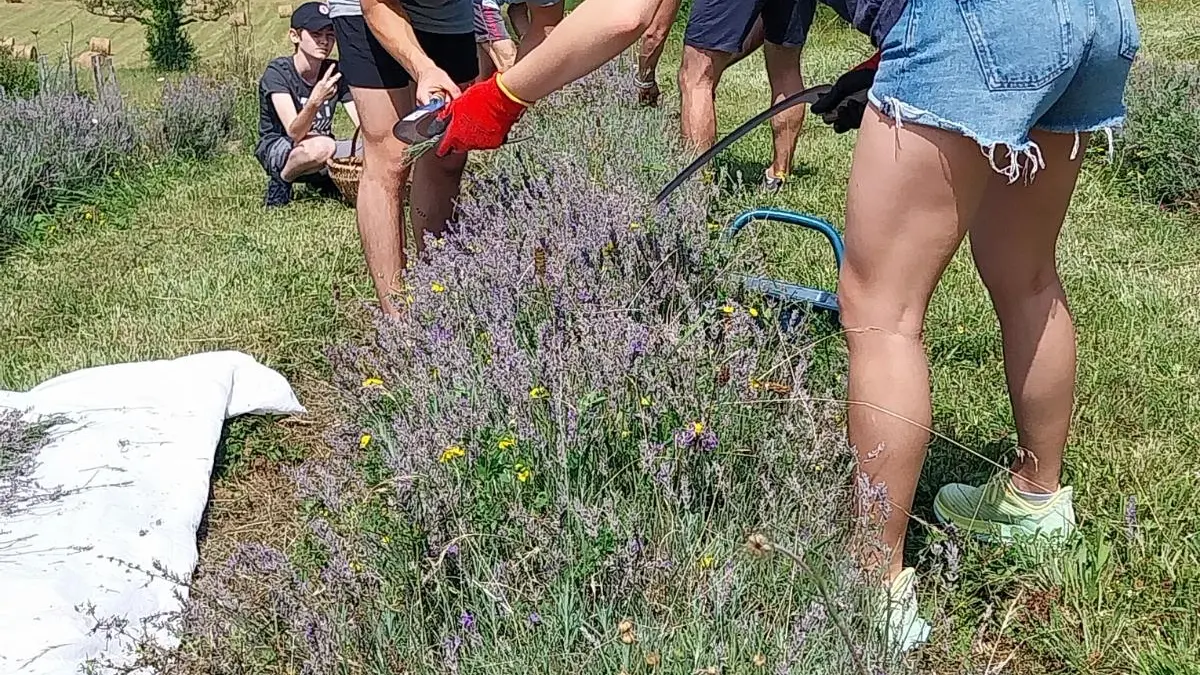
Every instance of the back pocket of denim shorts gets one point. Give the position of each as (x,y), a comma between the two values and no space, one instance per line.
(1020,44)
(1131,37)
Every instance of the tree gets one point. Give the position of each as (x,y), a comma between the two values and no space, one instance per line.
(167,41)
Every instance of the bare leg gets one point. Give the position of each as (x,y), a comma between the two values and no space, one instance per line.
(518,14)
(699,74)
(308,156)
(436,182)
(913,192)
(381,188)
(542,20)
(1013,240)
(650,50)
(783,71)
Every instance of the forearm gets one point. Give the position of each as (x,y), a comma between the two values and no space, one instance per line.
(391,26)
(301,124)
(587,38)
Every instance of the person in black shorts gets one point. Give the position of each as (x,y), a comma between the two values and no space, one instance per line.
(716,33)
(396,55)
(297,96)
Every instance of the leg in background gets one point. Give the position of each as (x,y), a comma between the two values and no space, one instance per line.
(542,20)
(650,50)
(783,71)
(308,156)
(381,188)
(518,15)
(1013,240)
(699,74)
(913,192)
(436,183)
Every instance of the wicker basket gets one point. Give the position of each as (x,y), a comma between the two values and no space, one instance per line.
(345,171)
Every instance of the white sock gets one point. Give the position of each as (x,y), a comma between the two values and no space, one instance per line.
(1032,497)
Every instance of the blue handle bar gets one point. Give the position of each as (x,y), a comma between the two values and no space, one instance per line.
(792,218)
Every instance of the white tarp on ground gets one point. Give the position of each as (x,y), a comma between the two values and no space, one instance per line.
(140,442)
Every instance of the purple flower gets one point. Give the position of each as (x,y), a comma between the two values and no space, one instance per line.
(535,619)
(696,435)
(467,621)
(1131,517)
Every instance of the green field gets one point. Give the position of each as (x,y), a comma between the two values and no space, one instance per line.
(187,261)
(51,24)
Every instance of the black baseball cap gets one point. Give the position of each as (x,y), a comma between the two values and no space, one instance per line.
(312,17)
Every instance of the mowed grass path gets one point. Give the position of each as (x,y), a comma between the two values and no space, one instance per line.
(190,262)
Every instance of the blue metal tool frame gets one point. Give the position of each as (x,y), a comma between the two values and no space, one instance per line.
(792,294)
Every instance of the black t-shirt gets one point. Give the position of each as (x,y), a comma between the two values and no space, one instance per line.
(875,18)
(281,77)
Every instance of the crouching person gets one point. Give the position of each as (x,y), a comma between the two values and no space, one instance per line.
(297,96)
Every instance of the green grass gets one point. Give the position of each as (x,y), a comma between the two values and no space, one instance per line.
(187,261)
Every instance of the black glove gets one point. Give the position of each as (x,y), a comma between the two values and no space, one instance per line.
(846,101)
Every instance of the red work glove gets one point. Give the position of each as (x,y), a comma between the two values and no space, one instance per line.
(480,119)
(845,103)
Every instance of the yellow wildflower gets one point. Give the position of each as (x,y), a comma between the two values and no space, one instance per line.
(728,309)
(451,453)
(372,382)
(645,400)
(364,441)
(437,287)
(524,473)
(698,427)
(754,384)
(87,215)
(538,392)
(385,539)
(713,227)
(706,562)
(634,226)
(753,312)
(506,443)
(961,329)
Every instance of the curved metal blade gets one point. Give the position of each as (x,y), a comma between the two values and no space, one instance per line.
(421,124)
(808,96)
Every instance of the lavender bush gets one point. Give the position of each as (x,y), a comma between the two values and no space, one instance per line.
(57,144)
(583,449)
(197,116)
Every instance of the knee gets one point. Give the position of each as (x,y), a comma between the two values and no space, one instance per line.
(384,159)
(1012,284)
(697,70)
(866,305)
(316,149)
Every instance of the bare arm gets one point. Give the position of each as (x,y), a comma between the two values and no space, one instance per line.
(590,36)
(297,123)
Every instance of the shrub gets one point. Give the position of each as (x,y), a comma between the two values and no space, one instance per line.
(198,116)
(1160,145)
(576,447)
(58,144)
(167,42)
(18,77)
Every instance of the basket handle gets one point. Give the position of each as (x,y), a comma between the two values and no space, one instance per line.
(354,139)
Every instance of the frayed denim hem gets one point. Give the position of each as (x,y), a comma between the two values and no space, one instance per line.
(1106,126)
(1025,157)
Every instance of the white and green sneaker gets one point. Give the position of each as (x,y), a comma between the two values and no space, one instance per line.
(904,629)
(997,512)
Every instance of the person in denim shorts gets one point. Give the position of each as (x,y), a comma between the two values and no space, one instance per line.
(973,118)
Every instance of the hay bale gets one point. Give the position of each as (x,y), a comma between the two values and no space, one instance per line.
(25,52)
(84,60)
(13,2)
(7,44)
(237,19)
(100,45)
(284,11)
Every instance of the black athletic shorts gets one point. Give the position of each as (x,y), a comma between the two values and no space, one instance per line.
(365,63)
(722,25)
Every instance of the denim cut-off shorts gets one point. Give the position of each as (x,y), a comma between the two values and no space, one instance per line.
(993,70)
